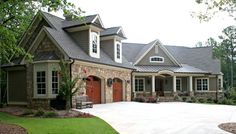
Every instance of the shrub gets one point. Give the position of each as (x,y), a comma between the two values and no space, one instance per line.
(227,102)
(177,98)
(50,114)
(139,99)
(28,112)
(184,99)
(201,100)
(39,113)
(193,99)
(151,100)
(210,100)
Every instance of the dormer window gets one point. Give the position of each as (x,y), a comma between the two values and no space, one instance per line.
(118,52)
(157,59)
(94,45)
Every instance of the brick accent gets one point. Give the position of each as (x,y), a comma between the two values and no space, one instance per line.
(104,73)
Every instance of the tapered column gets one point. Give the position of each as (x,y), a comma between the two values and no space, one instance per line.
(133,85)
(153,83)
(190,86)
(174,84)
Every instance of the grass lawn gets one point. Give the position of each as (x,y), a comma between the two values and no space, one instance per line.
(60,126)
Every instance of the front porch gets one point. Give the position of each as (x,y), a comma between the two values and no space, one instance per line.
(162,85)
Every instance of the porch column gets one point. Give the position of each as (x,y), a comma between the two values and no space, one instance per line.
(190,85)
(174,85)
(153,86)
(133,85)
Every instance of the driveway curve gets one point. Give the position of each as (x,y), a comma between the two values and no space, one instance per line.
(164,118)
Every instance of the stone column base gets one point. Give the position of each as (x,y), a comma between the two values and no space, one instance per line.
(175,94)
(191,94)
(154,94)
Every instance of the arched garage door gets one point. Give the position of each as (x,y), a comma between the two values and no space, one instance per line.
(93,89)
(117,90)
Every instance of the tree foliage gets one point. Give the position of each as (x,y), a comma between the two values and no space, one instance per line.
(15,17)
(68,85)
(213,7)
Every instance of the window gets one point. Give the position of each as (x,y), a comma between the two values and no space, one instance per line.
(219,84)
(55,82)
(157,59)
(118,50)
(139,84)
(202,84)
(179,84)
(94,45)
(41,82)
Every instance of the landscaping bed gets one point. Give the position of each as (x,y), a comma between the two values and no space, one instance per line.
(229,127)
(11,129)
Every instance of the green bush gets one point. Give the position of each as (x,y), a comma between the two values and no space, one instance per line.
(184,99)
(193,99)
(28,112)
(39,113)
(202,100)
(177,98)
(228,102)
(210,100)
(50,114)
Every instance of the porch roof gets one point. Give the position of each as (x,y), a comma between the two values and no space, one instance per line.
(184,69)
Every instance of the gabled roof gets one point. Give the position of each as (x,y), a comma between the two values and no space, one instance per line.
(91,19)
(113,31)
(148,47)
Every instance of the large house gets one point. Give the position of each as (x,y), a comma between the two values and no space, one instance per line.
(118,71)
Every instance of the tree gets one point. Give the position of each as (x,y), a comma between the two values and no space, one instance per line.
(15,17)
(212,7)
(68,85)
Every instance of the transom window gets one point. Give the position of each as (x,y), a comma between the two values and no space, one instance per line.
(179,84)
(118,50)
(157,59)
(41,82)
(202,84)
(55,82)
(139,84)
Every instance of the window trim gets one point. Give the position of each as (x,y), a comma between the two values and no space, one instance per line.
(202,84)
(150,59)
(36,83)
(180,79)
(143,79)
(116,43)
(58,82)
(93,54)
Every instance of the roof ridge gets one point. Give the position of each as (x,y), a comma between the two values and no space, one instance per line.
(51,15)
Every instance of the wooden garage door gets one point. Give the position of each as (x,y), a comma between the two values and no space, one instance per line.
(117,90)
(93,89)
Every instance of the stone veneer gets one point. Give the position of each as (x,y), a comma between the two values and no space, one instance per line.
(209,95)
(104,72)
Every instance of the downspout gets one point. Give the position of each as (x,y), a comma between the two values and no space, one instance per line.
(73,61)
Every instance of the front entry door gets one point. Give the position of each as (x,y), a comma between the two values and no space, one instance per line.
(159,87)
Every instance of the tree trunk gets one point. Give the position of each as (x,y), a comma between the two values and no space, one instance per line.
(68,106)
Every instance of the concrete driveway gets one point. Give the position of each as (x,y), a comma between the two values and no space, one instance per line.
(164,118)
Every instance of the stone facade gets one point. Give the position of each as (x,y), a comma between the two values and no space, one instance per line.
(209,95)
(104,73)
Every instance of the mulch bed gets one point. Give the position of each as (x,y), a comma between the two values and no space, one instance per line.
(11,129)
(19,111)
(229,127)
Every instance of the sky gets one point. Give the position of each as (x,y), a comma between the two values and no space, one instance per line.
(143,21)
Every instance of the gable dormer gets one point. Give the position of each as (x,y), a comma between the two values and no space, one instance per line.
(111,42)
(86,33)
(155,53)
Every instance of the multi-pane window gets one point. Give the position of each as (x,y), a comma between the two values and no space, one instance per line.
(41,82)
(157,59)
(202,84)
(139,84)
(219,84)
(178,84)
(94,43)
(55,82)
(118,51)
